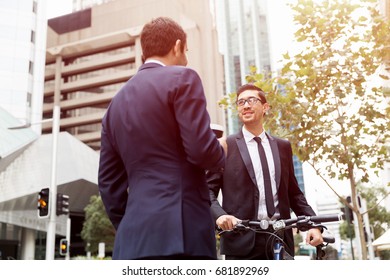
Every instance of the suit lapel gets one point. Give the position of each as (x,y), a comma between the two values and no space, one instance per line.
(245,156)
(275,153)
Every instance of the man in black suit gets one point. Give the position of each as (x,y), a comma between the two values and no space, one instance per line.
(156,145)
(243,186)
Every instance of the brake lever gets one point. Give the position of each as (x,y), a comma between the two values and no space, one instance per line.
(238,227)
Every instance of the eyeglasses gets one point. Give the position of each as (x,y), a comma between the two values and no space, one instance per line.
(251,101)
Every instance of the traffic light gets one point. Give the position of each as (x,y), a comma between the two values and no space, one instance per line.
(62,204)
(43,203)
(64,247)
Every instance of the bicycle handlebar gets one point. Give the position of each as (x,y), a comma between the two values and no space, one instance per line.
(302,222)
(327,218)
(306,219)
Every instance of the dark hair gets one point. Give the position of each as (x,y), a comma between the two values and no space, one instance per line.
(260,92)
(159,36)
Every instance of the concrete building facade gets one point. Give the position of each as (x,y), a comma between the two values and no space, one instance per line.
(93,52)
(90,54)
(22,54)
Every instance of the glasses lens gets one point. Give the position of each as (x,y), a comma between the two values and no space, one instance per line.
(251,101)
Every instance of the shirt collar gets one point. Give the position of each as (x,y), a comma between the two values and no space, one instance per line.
(248,136)
(154,61)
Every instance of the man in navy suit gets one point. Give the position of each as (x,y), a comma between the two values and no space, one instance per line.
(155,147)
(243,187)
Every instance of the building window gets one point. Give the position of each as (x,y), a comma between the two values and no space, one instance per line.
(32,36)
(31,67)
(29,99)
(35,7)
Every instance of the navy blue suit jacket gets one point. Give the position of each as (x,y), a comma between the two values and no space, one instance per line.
(156,144)
(240,194)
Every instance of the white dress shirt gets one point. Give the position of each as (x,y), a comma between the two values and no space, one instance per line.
(255,158)
(154,61)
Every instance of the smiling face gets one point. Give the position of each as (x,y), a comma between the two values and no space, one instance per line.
(252,114)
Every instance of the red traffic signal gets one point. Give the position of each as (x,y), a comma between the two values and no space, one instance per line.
(43,203)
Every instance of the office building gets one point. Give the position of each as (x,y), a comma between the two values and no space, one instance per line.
(90,54)
(93,52)
(243,41)
(22,55)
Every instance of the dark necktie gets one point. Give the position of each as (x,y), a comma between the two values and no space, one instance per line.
(269,198)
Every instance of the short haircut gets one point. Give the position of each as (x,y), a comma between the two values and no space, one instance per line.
(260,92)
(159,36)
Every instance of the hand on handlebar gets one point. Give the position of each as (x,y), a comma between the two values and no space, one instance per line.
(314,237)
(227,222)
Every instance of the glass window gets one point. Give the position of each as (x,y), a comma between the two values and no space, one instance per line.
(32,36)
(31,67)
(35,6)
(29,99)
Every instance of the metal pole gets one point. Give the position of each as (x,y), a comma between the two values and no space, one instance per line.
(68,224)
(51,228)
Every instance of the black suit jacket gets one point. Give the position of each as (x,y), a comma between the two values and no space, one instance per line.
(156,144)
(240,194)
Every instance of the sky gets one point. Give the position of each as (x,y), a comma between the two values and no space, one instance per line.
(281,29)
(58,8)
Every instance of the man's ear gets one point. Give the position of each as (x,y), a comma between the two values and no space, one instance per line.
(266,108)
(177,48)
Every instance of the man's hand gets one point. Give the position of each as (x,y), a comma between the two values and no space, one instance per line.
(314,237)
(227,222)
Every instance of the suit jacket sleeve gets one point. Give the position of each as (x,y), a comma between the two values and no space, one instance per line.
(215,182)
(199,141)
(113,181)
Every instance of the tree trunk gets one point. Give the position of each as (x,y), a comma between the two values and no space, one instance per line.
(356,209)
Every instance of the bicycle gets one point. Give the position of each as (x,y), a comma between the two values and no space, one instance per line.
(276,228)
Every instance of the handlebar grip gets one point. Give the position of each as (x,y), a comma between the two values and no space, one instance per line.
(329,239)
(327,218)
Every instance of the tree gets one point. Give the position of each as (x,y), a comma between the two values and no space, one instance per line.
(379,216)
(346,231)
(324,100)
(97,227)
(341,120)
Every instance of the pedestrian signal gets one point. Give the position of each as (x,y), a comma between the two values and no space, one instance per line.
(62,204)
(43,203)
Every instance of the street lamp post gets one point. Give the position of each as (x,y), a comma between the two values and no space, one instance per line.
(51,229)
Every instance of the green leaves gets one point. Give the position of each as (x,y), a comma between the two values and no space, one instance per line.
(324,100)
(97,227)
